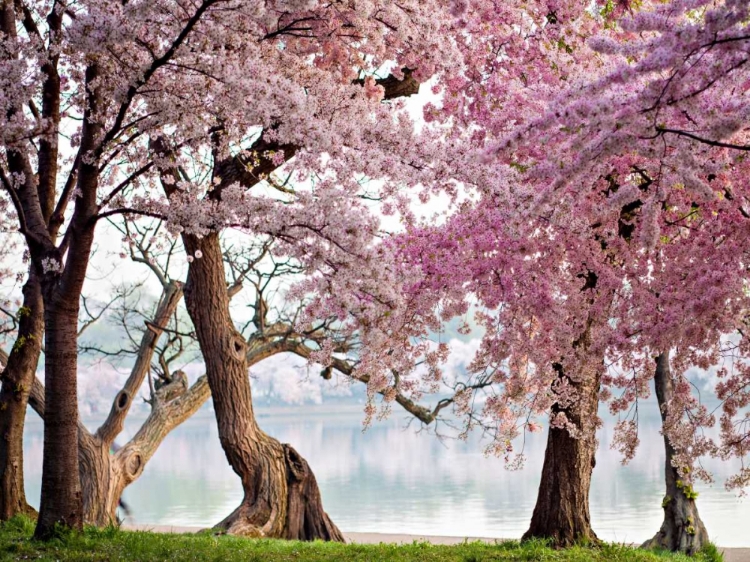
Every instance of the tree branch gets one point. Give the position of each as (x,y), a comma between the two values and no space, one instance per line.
(164,417)
(171,297)
(126,211)
(256,164)
(663,130)
(155,65)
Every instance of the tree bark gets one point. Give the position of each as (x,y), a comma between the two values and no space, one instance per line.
(99,481)
(682,529)
(17,378)
(281,497)
(104,475)
(562,511)
(61,500)
(112,426)
(61,487)
(562,507)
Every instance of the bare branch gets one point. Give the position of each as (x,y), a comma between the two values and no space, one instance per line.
(167,305)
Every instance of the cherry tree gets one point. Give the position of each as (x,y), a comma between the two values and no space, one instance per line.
(628,186)
(575,278)
(542,300)
(670,101)
(255,275)
(102,101)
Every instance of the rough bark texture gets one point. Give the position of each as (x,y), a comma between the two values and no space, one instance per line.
(104,475)
(98,481)
(61,500)
(305,519)
(562,507)
(682,529)
(17,378)
(281,495)
(562,511)
(61,487)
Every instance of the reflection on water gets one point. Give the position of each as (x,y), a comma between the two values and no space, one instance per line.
(388,479)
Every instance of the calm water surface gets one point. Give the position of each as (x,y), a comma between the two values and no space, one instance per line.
(389,479)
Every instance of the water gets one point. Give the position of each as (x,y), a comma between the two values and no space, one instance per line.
(392,480)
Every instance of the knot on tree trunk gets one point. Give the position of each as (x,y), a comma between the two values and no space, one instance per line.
(175,388)
(134,466)
(122,400)
(237,347)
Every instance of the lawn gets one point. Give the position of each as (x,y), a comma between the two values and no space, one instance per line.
(114,545)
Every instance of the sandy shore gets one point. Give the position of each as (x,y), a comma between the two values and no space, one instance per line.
(730,554)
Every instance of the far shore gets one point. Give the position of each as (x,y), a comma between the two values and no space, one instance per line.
(261,411)
(730,554)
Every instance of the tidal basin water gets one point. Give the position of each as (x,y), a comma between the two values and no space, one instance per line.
(392,480)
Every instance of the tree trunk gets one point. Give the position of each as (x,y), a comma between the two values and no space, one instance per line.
(100,481)
(104,476)
(98,475)
(17,379)
(305,518)
(682,529)
(281,495)
(61,486)
(562,507)
(61,502)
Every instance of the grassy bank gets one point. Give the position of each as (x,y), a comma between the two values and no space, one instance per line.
(113,545)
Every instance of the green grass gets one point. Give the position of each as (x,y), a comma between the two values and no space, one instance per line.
(113,545)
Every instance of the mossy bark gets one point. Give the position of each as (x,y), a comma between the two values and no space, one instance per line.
(682,529)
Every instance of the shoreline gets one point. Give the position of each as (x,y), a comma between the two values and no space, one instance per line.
(730,554)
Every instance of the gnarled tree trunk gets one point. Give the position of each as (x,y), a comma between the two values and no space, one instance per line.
(562,511)
(281,495)
(17,378)
(562,507)
(104,475)
(682,529)
(99,481)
